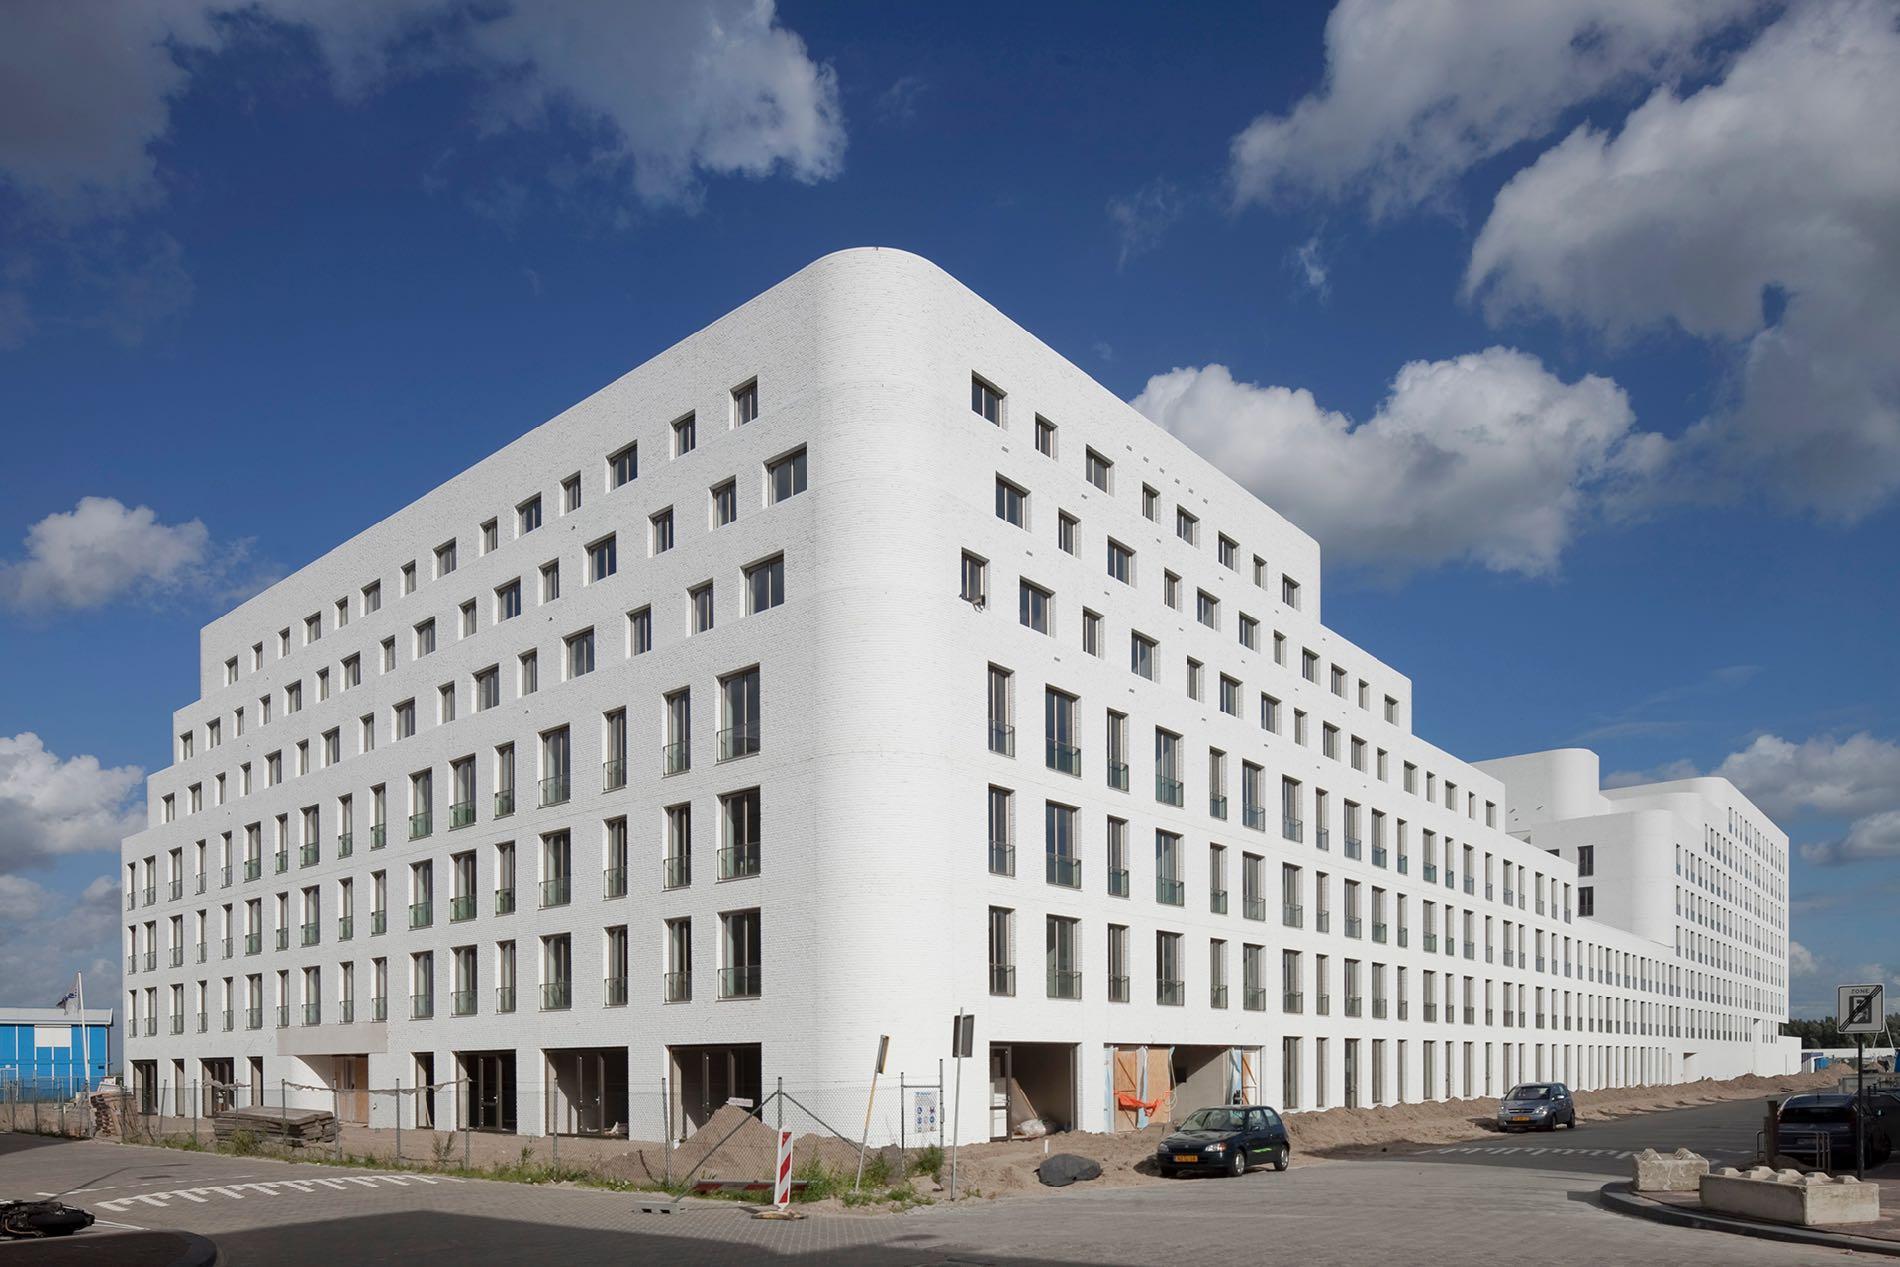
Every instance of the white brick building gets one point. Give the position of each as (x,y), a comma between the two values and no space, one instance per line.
(868,661)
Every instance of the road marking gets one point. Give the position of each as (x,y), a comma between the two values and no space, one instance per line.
(274,1188)
(1526,1150)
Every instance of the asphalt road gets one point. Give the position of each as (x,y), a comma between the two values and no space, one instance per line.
(1464,1208)
(1724,1133)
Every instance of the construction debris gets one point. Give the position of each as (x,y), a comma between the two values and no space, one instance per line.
(293,1127)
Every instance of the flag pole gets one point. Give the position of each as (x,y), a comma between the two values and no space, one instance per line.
(85,1035)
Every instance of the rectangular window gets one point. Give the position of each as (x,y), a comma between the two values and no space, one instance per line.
(1002,925)
(975,580)
(1002,831)
(487,689)
(1229,695)
(1141,655)
(1099,470)
(580,654)
(1229,552)
(491,536)
(725,504)
(1066,525)
(444,561)
(685,435)
(739,714)
(1001,712)
(570,494)
(508,601)
(1186,526)
(1207,609)
(640,631)
(785,477)
(550,581)
(1045,437)
(603,559)
(1290,592)
(1037,607)
(661,535)
(530,664)
(623,467)
(1121,562)
(1012,503)
(1150,504)
(528,516)
(372,602)
(745,403)
(700,599)
(1091,632)
(765,585)
(985,401)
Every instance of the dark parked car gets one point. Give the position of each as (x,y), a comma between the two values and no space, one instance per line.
(1537,1106)
(1808,1119)
(1225,1141)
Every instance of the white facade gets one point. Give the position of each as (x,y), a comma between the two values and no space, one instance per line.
(882,749)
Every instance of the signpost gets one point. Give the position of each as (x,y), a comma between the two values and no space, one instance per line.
(883,1051)
(962,1043)
(1860,1010)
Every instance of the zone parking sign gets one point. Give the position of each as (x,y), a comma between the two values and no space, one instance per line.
(1861,1009)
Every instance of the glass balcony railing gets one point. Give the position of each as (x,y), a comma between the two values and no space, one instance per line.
(1354,848)
(346,1012)
(504,802)
(283,939)
(1353,926)
(461,907)
(1063,758)
(1170,992)
(1253,816)
(310,934)
(420,825)
(1322,1004)
(1169,791)
(1065,983)
(1253,908)
(345,927)
(177,889)
(1322,838)
(1378,855)
(1002,858)
(504,901)
(1217,901)
(378,923)
(421,914)
(1217,996)
(1293,829)
(1431,873)
(1292,914)
(613,775)
(1063,870)
(254,1018)
(378,835)
(313,1013)
(228,1019)
(151,894)
(283,1016)
(307,855)
(556,892)
(676,871)
(1118,991)
(253,943)
(1322,921)
(738,861)
(676,987)
(675,758)
(614,992)
(738,741)
(613,882)
(1118,775)
(739,983)
(1254,998)
(505,998)
(345,844)
(421,1006)
(555,790)
(1378,932)
(1003,979)
(461,814)
(1118,883)
(1170,892)
(283,861)
(379,1008)
(1002,739)
(1217,805)
(462,1003)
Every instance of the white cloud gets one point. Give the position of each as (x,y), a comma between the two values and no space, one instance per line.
(1487,458)
(1840,777)
(1801,960)
(1875,838)
(47,935)
(1142,217)
(1418,91)
(102,550)
(1311,267)
(1757,213)
(52,806)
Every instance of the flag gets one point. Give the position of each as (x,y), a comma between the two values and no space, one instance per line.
(71,995)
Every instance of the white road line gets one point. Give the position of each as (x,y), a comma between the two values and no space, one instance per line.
(123,1227)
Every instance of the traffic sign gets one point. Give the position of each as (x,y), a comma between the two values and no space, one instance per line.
(1861,1009)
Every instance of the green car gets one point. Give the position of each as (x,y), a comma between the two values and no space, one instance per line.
(1225,1141)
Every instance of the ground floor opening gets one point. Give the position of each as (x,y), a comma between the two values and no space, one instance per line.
(586,1091)
(1160,1082)
(705,1078)
(1032,1083)
(220,1089)
(487,1090)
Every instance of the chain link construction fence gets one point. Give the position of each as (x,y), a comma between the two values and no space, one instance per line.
(843,1133)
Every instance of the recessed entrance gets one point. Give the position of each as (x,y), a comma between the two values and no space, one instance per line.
(706,1077)
(488,1090)
(1031,1082)
(587,1090)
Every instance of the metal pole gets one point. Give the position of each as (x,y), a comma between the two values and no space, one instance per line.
(194,1111)
(956,1112)
(554,1131)
(903,1108)
(1860,1107)
(466,1092)
(283,1108)
(336,1113)
(864,1141)
(666,1135)
(399,1117)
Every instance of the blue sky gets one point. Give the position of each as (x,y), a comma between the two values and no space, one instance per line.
(1568,333)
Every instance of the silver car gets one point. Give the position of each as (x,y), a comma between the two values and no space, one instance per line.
(1537,1106)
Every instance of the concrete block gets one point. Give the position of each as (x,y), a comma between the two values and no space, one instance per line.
(1787,1196)
(1682,1171)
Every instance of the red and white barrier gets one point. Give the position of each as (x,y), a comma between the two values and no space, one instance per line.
(782,1186)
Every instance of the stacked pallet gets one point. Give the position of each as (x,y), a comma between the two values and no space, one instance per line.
(291,1127)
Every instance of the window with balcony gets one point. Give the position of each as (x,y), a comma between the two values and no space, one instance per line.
(1002,821)
(1002,938)
(739,832)
(1062,960)
(739,939)
(1062,866)
(739,734)
(1061,751)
